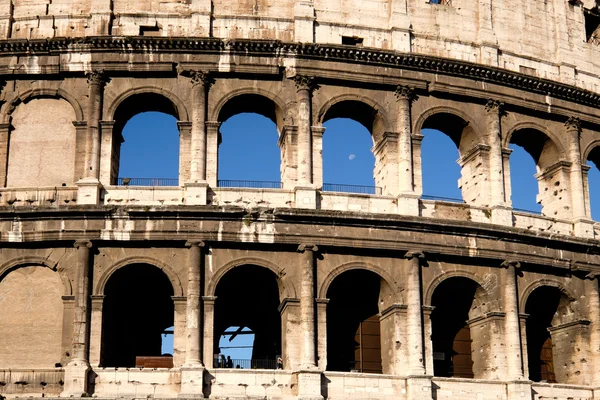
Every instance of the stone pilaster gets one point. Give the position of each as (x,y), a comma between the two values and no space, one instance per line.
(209,329)
(213,140)
(110,153)
(591,288)
(76,372)
(392,323)
(96,329)
(4,141)
(192,370)
(307,306)
(317,149)
(304,87)
(386,164)
(185,129)
(322,333)
(512,329)
(573,131)
(88,191)
(414,313)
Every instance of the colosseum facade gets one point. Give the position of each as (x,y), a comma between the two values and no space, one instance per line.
(379,296)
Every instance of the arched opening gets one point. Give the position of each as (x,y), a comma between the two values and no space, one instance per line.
(248,299)
(42,144)
(353,328)
(445,175)
(551,176)
(454,302)
(348,161)
(137,310)
(593,190)
(547,308)
(249,154)
(146,143)
(31,319)
(524,185)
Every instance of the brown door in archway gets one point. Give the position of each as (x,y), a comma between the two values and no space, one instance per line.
(367,349)
(462,361)
(546,362)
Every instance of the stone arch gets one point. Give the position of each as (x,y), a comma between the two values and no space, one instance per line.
(533,126)
(540,283)
(337,271)
(178,104)
(280,112)
(433,285)
(593,145)
(381,121)
(286,287)
(31,94)
(166,269)
(474,134)
(25,261)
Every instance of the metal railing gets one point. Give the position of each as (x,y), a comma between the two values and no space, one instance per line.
(249,184)
(337,187)
(245,364)
(439,198)
(148,182)
(536,212)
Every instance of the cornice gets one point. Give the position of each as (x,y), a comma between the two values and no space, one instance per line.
(314,51)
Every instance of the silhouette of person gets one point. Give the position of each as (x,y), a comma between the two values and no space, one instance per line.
(229,363)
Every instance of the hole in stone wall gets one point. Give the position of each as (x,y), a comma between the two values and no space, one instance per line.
(248,298)
(137,310)
(352,41)
(353,329)
(150,30)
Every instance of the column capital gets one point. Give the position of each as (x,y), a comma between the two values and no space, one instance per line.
(495,106)
(201,78)
(305,83)
(403,92)
(82,243)
(307,247)
(96,77)
(418,254)
(573,124)
(195,243)
(511,263)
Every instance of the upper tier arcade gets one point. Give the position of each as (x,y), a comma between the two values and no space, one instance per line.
(552,39)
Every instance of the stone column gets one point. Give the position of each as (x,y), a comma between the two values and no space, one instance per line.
(77,370)
(322,333)
(512,329)
(201,82)
(4,141)
(89,187)
(193,344)
(594,317)
(304,87)
(209,328)
(192,370)
(405,96)
(573,130)
(414,313)
(307,306)
(96,81)
(494,111)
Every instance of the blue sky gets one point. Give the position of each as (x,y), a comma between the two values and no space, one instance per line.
(249,151)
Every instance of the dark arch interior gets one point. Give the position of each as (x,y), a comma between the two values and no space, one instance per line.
(531,140)
(137,309)
(541,306)
(450,124)
(248,296)
(355,110)
(353,332)
(249,103)
(451,338)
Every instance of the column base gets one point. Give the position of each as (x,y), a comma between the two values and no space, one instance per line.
(192,381)
(584,228)
(308,384)
(196,193)
(408,204)
(519,390)
(502,215)
(418,387)
(88,191)
(76,379)
(306,197)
